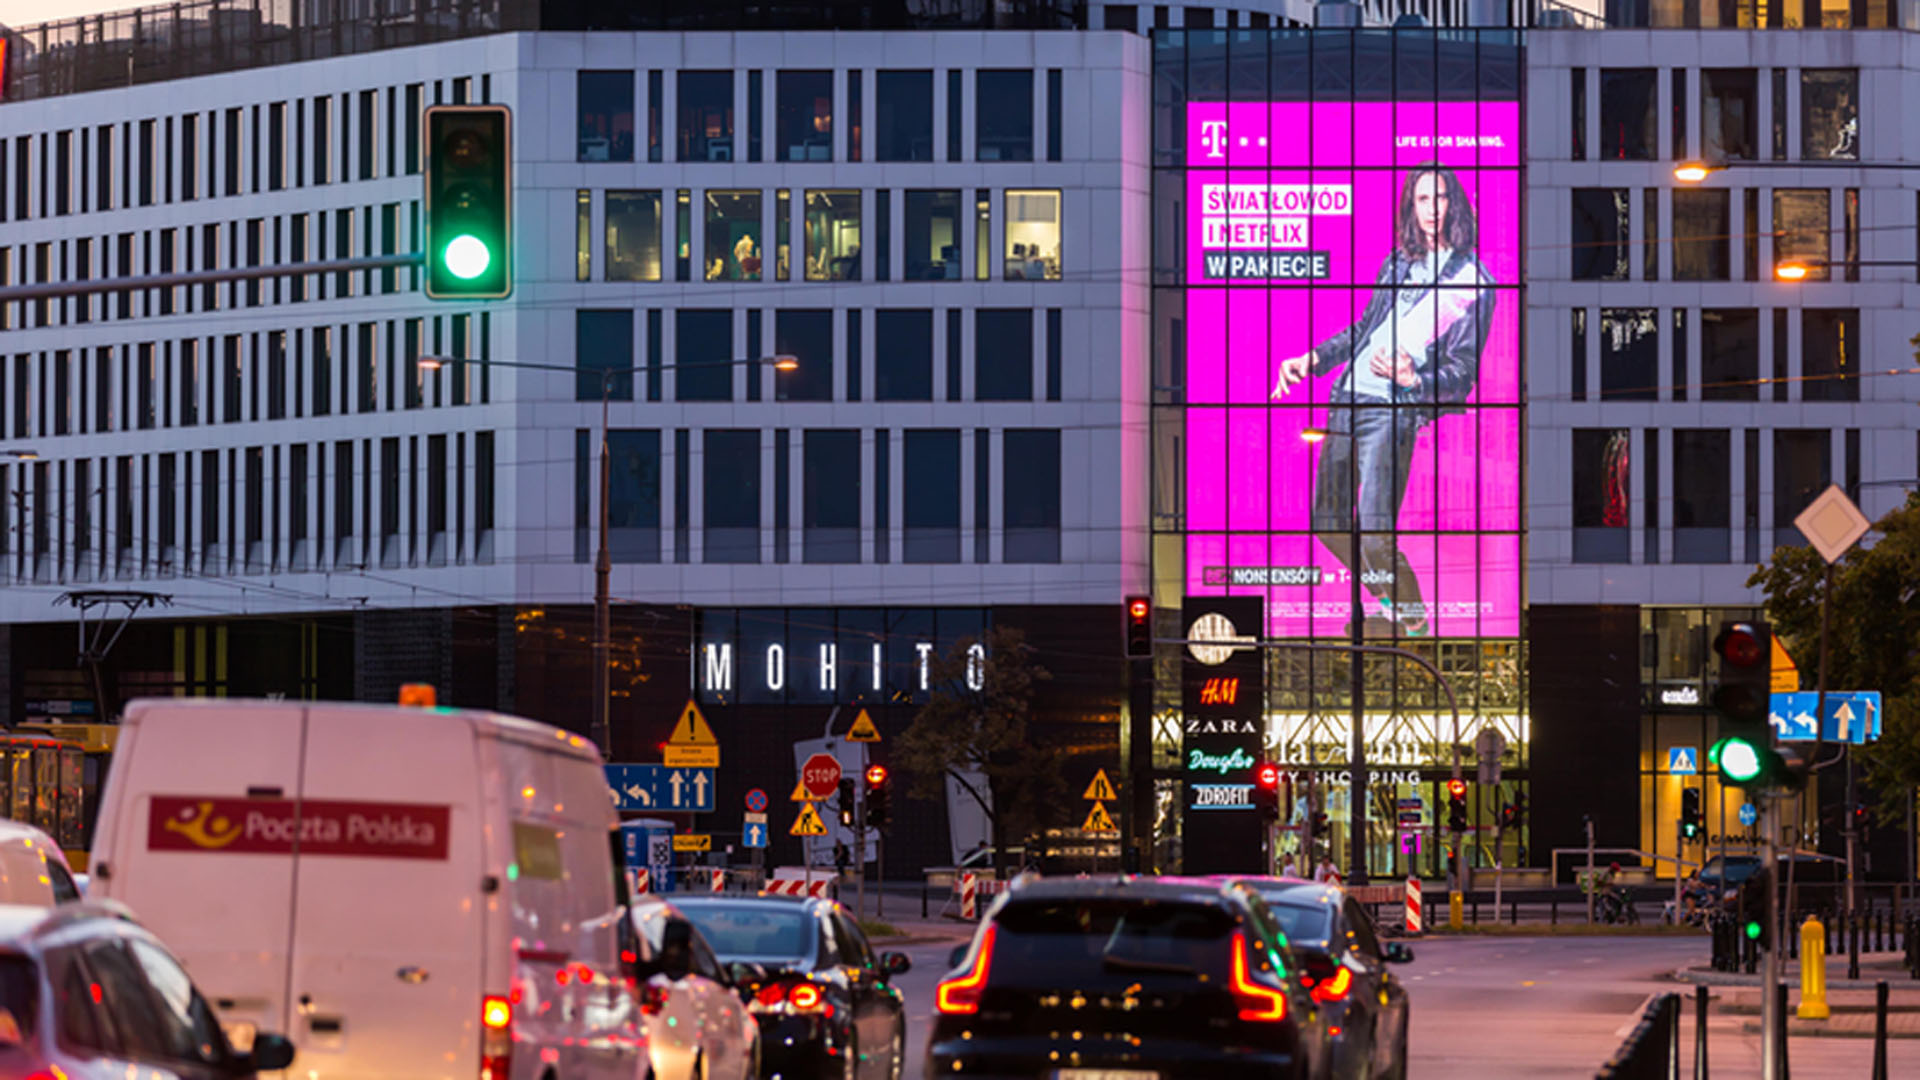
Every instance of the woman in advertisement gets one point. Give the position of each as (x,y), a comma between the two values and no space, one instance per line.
(1417,346)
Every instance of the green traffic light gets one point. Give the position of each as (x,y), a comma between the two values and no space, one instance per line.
(1753,930)
(1738,759)
(466,257)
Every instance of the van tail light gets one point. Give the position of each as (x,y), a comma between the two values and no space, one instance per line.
(805,998)
(960,995)
(787,999)
(1335,987)
(496,1037)
(1257,1002)
(653,998)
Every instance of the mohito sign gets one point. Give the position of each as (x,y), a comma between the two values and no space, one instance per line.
(316,827)
(820,775)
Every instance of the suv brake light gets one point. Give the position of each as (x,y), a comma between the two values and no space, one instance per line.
(496,1041)
(653,997)
(1257,1002)
(1334,987)
(790,998)
(961,995)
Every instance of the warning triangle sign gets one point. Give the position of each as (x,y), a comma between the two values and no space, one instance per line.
(799,793)
(1101,789)
(1098,820)
(692,730)
(863,729)
(808,823)
(1784,674)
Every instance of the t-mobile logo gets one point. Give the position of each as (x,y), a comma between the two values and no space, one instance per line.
(1213,136)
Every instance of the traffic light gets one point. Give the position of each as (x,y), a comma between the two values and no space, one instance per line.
(1457,814)
(1139,628)
(1266,791)
(1744,754)
(876,795)
(469,196)
(846,801)
(1755,910)
(1319,823)
(1691,819)
(1509,816)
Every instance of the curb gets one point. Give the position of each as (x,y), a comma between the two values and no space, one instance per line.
(1699,977)
(1811,1030)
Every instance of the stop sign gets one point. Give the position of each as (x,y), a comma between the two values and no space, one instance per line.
(820,775)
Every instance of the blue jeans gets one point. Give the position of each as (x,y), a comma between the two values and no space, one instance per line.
(1368,450)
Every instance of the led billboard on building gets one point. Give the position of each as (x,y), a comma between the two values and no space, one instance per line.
(1352,339)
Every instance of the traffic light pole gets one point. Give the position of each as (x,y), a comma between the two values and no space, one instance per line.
(1770,1017)
(60,289)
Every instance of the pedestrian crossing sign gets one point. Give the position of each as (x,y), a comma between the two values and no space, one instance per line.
(1683,760)
(1098,820)
(808,823)
(1101,790)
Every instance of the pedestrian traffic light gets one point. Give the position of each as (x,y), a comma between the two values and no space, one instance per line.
(1691,819)
(1755,909)
(1266,791)
(1744,755)
(469,202)
(877,796)
(846,801)
(1139,629)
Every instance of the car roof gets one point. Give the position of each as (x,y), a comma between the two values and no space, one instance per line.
(758,901)
(1298,892)
(21,925)
(1119,888)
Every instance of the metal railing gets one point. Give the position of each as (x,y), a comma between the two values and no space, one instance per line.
(1652,1049)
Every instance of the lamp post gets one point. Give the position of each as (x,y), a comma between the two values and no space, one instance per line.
(600,731)
(1356,690)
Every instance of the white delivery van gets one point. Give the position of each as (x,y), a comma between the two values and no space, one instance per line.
(406,892)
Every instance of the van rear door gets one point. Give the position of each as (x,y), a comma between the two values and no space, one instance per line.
(389,903)
(203,792)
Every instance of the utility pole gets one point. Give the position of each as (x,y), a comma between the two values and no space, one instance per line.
(602,595)
(1770,1018)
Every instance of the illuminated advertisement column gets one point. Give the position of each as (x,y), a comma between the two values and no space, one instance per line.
(1222,697)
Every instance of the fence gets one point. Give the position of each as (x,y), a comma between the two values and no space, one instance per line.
(1652,1049)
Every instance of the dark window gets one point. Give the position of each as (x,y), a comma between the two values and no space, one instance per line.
(732,493)
(1602,219)
(1802,469)
(1678,94)
(1003,354)
(1702,495)
(703,354)
(883,235)
(1650,238)
(1802,218)
(1602,488)
(277,146)
(633,505)
(1054,108)
(603,342)
(905,122)
(1701,223)
(1629,354)
(803,115)
(1828,338)
(1678,362)
(933,225)
(1055,333)
(1123,17)
(756,91)
(855,347)
(856,113)
(983,495)
(633,236)
(1729,114)
(606,115)
(903,355)
(656,94)
(806,335)
(955,100)
(830,512)
(483,494)
(1578,101)
(1779,133)
(1030,495)
(1003,116)
(1830,114)
(953,354)
(1629,114)
(367,131)
(230,369)
(932,496)
(1729,354)
(413,107)
(706,116)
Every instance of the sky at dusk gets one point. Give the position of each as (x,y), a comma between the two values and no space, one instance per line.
(28,12)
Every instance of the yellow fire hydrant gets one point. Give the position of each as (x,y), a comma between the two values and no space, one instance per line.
(1813,970)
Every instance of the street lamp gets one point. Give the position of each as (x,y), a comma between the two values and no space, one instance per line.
(1692,172)
(603,559)
(1356,688)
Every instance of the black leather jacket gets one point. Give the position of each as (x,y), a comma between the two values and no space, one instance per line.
(1451,366)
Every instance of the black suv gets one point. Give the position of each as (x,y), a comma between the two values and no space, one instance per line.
(1127,979)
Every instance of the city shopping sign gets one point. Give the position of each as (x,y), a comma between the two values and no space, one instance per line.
(661,788)
(1852,716)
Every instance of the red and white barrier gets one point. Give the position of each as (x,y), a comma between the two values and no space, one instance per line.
(638,883)
(969,889)
(817,889)
(1414,920)
(719,881)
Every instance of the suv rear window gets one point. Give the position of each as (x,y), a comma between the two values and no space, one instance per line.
(19,1000)
(1057,942)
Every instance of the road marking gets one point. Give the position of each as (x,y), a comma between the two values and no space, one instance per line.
(1529,982)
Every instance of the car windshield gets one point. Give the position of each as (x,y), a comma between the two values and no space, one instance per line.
(19,1000)
(1301,922)
(751,931)
(1088,942)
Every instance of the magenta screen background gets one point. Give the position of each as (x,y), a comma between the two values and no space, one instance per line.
(1249,474)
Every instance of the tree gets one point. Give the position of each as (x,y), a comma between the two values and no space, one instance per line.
(1874,637)
(973,729)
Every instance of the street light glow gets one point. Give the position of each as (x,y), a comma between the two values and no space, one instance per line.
(786,362)
(467,257)
(1791,271)
(1313,435)
(430,363)
(1692,172)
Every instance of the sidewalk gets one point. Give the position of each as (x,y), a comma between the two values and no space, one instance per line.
(1874,968)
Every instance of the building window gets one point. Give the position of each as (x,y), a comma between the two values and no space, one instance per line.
(830,497)
(633,236)
(683,235)
(1702,496)
(856,113)
(1629,114)
(706,116)
(1828,338)
(703,355)
(1729,114)
(731,487)
(803,114)
(833,235)
(1030,495)
(807,336)
(1003,354)
(783,235)
(582,236)
(904,100)
(1033,236)
(903,356)
(633,502)
(603,344)
(1830,114)
(1729,354)
(1802,469)
(931,493)
(1701,222)
(1003,115)
(1602,493)
(733,235)
(933,235)
(1803,224)
(1577,101)
(756,96)
(1629,354)
(1602,231)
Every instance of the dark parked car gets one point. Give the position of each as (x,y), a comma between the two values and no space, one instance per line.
(822,997)
(1346,968)
(1127,979)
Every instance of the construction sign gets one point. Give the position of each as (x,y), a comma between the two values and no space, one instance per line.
(692,745)
(1101,790)
(1098,820)
(863,729)
(808,823)
(800,793)
(693,842)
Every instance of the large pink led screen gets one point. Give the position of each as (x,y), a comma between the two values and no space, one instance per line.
(1352,350)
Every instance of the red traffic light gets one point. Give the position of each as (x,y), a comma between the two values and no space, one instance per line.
(1267,775)
(1739,645)
(1137,609)
(1457,788)
(876,775)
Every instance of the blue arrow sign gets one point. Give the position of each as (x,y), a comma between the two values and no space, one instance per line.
(659,788)
(1749,814)
(1683,760)
(1851,716)
(756,836)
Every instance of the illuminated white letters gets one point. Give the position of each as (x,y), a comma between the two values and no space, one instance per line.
(776,667)
(719,668)
(879,664)
(976,667)
(924,650)
(829,663)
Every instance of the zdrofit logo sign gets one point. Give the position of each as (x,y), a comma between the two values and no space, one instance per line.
(310,826)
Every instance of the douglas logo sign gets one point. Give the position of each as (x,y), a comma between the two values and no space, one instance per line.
(1201,761)
(311,826)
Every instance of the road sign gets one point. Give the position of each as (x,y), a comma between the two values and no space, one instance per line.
(1785,674)
(757,801)
(1831,523)
(808,823)
(1098,820)
(661,787)
(1749,814)
(799,793)
(820,776)
(692,743)
(1683,760)
(755,834)
(693,842)
(863,729)
(1852,716)
(752,818)
(1101,790)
